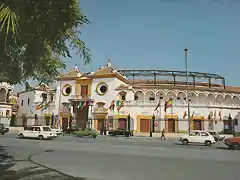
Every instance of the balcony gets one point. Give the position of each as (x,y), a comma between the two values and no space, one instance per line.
(182,104)
(82,98)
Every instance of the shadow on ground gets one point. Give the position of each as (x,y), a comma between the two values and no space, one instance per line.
(27,169)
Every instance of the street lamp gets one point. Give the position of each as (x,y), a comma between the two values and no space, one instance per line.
(186,61)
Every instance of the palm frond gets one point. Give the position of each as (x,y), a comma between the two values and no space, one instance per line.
(8,22)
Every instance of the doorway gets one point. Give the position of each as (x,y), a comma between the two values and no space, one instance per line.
(171,126)
(197,124)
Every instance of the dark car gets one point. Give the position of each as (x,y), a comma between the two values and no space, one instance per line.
(233,143)
(3,130)
(70,130)
(120,132)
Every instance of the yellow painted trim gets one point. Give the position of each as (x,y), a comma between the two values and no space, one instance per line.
(83,82)
(182,131)
(64,87)
(110,76)
(95,124)
(166,117)
(139,117)
(198,118)
(98,86)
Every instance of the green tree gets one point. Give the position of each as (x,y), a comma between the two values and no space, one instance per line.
(34,34)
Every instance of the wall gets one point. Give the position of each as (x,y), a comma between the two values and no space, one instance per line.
(25,108)
(64,98)
(111,94)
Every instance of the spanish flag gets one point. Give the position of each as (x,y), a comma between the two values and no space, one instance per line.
(112,106)
(220,115)
(168,104)
(120,106)
(210,115)
(185,114)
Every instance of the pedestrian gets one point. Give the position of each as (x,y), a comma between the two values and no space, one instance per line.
(163,134)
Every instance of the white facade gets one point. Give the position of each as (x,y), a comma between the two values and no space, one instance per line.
(29,100)
(6,96)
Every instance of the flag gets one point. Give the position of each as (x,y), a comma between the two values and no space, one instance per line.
(158,105)
(84,105)
(220,115)
(193,114)
(120,106)
(39,106)
(215,114)
(210,115)
(185,114)
(117,103)
(168,104)
(112,106)
(80,104)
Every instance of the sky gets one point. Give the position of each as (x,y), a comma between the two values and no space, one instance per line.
(152,34)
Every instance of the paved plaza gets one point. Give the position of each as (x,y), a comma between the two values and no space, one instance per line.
(70,157)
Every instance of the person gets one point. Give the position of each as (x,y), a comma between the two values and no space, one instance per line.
(163,134)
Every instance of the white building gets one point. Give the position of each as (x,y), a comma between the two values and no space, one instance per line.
(8,101)
(211,104)
(37,105)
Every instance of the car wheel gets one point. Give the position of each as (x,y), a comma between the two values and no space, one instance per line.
(234,146)
(208,143)
(40,137)
(20,136)
(2,133)
(185,141)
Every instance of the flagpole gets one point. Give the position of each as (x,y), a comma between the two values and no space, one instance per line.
(59,100)
(186,61)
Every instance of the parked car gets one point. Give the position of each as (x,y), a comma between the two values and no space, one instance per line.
(37,132)
(71,130)
(120,132)
(233,142)
(3,130)
(58,131)
(86,132)
(217,136)
(198,137)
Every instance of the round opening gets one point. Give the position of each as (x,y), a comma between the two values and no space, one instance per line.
(103,89)
(68,90)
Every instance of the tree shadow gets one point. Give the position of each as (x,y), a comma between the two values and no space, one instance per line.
(31,170)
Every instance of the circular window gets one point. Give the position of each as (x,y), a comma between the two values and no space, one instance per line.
(66,90)
(102,88)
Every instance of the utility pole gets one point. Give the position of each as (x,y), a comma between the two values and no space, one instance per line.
(59,100)
(188,105)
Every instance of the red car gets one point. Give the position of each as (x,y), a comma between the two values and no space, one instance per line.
(233,142)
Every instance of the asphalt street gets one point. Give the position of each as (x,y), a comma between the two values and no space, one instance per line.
(68,157)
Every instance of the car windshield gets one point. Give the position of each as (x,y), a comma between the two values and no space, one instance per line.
(46,129)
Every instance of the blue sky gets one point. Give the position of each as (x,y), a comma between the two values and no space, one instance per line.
(153,33)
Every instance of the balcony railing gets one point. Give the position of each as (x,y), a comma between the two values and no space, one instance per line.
(181,104)
(79,97)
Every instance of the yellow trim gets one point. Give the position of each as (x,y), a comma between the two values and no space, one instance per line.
(110,76)
(166,117)
(118,116)
(83,82)
(197,118)
(139,117)
(98,86)
(64,87)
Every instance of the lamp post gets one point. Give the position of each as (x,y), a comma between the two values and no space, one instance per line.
(188,106)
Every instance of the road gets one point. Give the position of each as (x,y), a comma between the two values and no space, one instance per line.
(118,158)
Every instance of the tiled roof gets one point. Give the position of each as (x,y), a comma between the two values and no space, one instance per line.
(73,73)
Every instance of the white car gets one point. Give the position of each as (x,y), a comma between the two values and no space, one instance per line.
(37,132)
(198,137)
(57,131)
